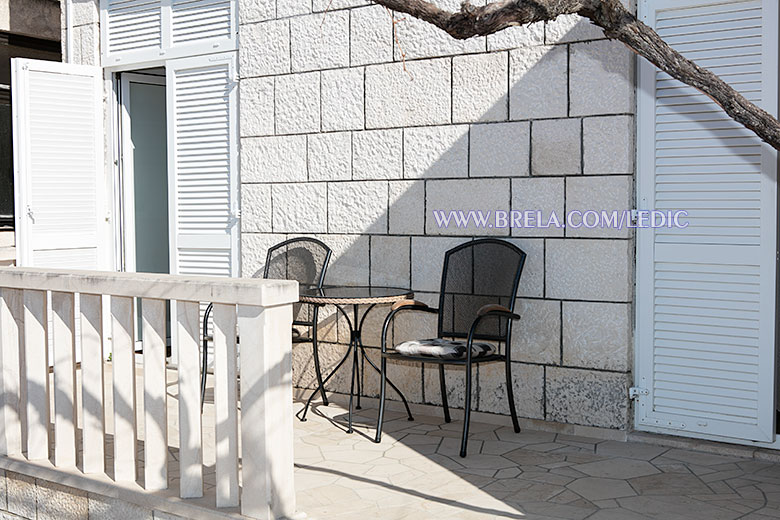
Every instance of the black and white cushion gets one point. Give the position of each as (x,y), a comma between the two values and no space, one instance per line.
(444,348)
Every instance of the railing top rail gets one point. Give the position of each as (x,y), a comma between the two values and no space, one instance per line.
(242,291)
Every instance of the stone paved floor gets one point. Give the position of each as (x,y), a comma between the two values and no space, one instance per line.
(416,473)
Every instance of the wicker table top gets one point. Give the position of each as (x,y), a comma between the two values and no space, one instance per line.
(353,295)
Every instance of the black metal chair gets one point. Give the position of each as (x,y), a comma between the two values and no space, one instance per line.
(476,305)
(305,260)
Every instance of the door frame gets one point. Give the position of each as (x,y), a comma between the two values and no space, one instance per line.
(126,180)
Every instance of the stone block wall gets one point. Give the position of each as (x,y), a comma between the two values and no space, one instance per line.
(355,128)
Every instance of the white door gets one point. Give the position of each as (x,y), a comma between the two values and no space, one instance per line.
(202,159)
(60,201)
(706,294)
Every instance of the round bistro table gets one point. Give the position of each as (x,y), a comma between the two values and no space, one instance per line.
(342,296)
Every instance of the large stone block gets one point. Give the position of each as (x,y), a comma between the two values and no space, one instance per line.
(585,397)
(420,39)
(467,195)
(391,261)
(21,494)
(436,151)
(500,150)
(556,145)
(320,6)
(349,262)
(533,194)
(342,99)
(602,78)
(254,249)
(300,208)
(428,259)
(599,194)
(265,49)
(297,100)
(256,208)
(273,159)
(377,154)
(285,8)
(257,102)
(406,376)
(407,207)
(570,28)
(581,269)
(421,95)
(608,144)
(86,44)
(357,207)
(83,11)
(513,37)
(480,90)
(57,502)
(319,42)
(538,82)
(330,156)
(304,375)
(536,336)
(597,335)
(532,279)
(371,35)
(107,508)
(250,11)
(527,385)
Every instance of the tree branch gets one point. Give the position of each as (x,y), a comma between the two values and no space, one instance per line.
(618,24)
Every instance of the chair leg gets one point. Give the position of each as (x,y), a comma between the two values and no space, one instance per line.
(317,357)
(382,389)
(443,388)
(204,372)
(466,413)
(510,394)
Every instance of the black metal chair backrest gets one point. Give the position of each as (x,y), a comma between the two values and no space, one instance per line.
(302,259)
(480,272)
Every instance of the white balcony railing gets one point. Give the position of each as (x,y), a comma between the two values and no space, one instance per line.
(260,309)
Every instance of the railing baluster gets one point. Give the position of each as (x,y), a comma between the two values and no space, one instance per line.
(92,383)
(226,404)
(123,364)
(37,372)
(266,411)
(11,311)
(64,350)
(190,432)
(155,392)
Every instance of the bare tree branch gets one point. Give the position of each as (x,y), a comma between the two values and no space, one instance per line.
(618,23)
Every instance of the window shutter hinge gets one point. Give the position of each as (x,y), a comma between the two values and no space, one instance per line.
(635,392)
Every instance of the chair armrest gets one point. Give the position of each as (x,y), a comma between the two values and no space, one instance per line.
(409,303)
(494,309)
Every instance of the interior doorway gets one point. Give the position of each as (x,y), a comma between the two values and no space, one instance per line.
(145,171)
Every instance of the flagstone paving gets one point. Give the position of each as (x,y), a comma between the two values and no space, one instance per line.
(416,473)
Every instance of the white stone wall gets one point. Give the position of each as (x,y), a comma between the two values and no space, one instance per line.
(354,134)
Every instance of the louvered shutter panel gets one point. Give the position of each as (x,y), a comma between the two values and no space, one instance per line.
(706,294)
(58,165)
(136,31)
(203,146)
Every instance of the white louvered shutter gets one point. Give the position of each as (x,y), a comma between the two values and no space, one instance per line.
(59,178)
(135,31)
(706,294)
(203,149)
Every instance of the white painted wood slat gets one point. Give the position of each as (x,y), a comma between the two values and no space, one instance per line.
(190,425)
(92,383)
(37,380)
(226,404)
(123,364)
(11,336)
(64,331)
(155,395)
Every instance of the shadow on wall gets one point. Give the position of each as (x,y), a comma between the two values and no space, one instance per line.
(39,18)
(545,127)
